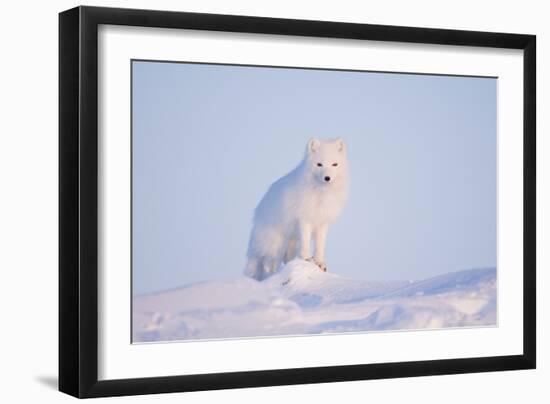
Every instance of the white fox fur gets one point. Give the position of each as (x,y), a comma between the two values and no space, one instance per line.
(298,209)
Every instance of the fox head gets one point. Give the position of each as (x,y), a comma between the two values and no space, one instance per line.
(327,160)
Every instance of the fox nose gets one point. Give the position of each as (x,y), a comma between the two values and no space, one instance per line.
(327,178)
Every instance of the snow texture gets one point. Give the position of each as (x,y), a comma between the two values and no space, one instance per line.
(302,300)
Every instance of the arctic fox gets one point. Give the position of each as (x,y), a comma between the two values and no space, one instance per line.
(299,207)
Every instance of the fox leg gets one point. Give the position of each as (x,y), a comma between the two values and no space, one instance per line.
(305,240)
(320,241)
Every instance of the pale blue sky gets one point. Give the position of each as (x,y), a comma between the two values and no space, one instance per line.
(208,140)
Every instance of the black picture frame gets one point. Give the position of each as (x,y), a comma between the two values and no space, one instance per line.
(78,201)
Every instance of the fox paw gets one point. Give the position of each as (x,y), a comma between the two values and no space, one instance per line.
(321,265)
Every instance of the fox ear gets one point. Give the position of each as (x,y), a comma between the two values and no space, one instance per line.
(313,145)
(341,144)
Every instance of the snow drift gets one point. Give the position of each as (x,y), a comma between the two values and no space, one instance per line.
(301,299)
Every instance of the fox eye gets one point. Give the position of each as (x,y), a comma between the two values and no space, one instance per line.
(319,165)
(334,164)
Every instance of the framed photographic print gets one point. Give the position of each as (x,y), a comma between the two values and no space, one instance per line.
(249,201)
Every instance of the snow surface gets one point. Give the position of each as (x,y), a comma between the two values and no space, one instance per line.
(300,299)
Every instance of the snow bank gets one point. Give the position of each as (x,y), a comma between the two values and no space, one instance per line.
(301,299)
